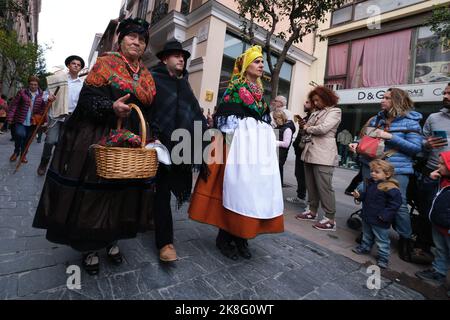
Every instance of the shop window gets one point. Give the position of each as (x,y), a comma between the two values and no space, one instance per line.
(432,63)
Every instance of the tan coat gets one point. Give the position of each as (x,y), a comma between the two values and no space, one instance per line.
(322,128)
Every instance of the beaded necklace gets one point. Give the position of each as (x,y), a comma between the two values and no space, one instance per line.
(135,71)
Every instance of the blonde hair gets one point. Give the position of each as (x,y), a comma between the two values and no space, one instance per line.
(279,114)
(389,170)
(401,103)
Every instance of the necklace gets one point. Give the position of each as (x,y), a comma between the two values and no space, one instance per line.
(135,70)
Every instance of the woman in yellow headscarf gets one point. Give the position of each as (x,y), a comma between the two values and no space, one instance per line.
(242,195)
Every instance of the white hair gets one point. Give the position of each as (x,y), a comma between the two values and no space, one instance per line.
(282,99)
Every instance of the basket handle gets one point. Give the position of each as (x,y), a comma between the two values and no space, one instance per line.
(143,128)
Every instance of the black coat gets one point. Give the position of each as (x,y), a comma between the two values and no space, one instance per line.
(176,107)
(440,210)
(380,207)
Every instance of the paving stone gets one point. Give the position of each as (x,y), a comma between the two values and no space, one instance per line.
(321,272)
(9,287)
(193,290)
(25,261)
(246,294)
(246,274)
(12,245)
(124,285)
(7,233)
(184,269)
(332,291)
(283,266)
(396,292)
(42,279)
(224,282)
(207,262)
(154,276)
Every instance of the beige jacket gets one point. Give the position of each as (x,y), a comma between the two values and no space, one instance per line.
(322,128)
(61,105)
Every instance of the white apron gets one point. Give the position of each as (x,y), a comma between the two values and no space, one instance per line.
(252,183)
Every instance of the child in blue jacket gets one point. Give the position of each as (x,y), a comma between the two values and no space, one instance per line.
(381,200)
(440,220)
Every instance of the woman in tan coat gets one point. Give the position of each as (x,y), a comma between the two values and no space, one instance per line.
(320,157)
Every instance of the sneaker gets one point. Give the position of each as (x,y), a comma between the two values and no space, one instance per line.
(431,274)
(307,215)
(296,200)
(383,264)
(360,250)
(325,225)
(168,253)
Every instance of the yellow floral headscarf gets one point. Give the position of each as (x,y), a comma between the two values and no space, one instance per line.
(242,62)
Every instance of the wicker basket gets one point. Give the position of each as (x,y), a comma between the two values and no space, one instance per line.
(127,163)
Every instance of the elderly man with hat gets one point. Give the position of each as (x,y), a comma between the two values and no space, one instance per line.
(70,86)
(174,107)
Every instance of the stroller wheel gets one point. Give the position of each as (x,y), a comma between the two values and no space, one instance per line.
(354,223)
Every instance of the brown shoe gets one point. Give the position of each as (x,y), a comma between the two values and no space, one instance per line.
(13,157)
(24,160)
(168,253)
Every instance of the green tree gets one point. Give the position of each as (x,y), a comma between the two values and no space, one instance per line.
(439,22)
(303,17)
(18,61)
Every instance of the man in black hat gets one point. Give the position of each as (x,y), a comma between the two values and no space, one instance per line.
(70,86)
(174,107)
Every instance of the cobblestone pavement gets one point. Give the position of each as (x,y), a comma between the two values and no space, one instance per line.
(284,266)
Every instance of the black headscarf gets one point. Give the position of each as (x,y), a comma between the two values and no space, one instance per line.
(135,25)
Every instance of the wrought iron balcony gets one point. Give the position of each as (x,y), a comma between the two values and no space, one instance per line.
(160,11)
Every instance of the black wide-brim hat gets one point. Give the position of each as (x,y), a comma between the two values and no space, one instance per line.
(71,58)
(173,46)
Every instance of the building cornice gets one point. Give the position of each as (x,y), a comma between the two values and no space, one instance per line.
(385,17)
(217,10)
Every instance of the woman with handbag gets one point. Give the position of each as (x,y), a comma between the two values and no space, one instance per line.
(26,109)
(77,207)
(321,157)
(397,130)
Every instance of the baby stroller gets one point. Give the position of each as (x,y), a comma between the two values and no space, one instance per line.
(354,222)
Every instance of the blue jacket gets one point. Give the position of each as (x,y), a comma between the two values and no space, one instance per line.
(440,209)
(406,139)
(379,207)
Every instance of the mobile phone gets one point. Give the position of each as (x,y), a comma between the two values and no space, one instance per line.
(441,134)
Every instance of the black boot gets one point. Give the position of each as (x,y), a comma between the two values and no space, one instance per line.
(223,243)
(242,247)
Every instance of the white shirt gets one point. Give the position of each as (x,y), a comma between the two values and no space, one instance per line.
(287,138)
(75,86)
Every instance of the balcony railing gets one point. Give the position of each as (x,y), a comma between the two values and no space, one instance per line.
(160,11)
(185,6)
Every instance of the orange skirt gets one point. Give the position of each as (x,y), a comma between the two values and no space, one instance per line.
(206,207)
